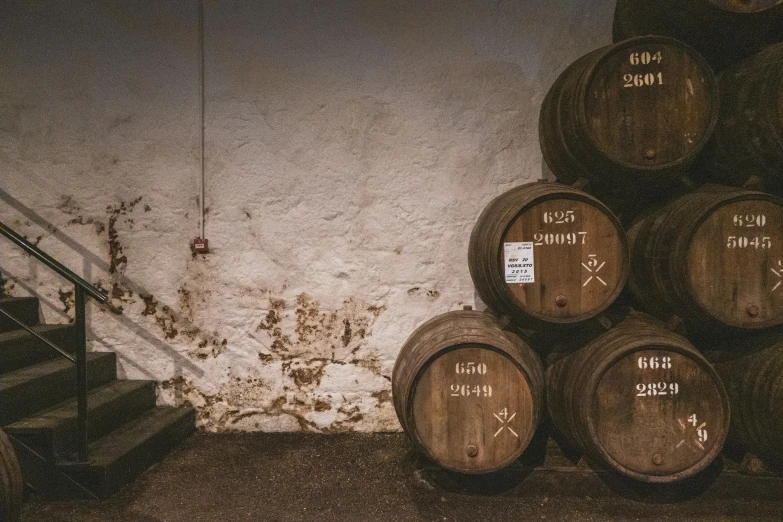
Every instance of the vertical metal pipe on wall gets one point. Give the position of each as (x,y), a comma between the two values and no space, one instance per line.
(203,107)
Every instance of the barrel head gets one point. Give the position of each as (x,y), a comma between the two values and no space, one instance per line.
(659,416)
(473,410)
(579,259)
(650,103)
(735,263)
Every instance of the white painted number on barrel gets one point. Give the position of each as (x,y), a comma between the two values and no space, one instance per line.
(779,274)
(657,388)
(750,220)
(559,217)
(643,80)
(654,363)
(593,266)
(701,432)
(763,242)
(505,419)
(470,368)
(467,390)
(571,238)
(645,58)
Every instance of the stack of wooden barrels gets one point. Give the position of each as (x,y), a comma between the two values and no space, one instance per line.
(661,240)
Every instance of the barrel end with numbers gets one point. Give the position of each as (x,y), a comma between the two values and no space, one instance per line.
(713,257)
(468,394)
(548,255)
(641,401)
(628,86)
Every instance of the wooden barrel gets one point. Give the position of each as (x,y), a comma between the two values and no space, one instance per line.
(713,257)
(748,140)
(546,254)
(468,394)
(11,485)
(633,114)
(724,31)
(754,383)
(640,400)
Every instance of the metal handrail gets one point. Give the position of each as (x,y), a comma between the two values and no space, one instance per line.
(52,263)
(38,336)
(82,289)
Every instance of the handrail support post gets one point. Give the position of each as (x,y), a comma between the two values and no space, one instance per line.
(81,370)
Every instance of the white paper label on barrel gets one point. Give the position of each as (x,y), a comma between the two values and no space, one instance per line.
(519,262)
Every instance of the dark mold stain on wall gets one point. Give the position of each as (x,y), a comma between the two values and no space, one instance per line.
(150,304)
(117,259)
(6,286)
(66,298)
(300,342)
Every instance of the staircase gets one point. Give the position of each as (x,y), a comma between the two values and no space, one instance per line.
(77,430)
(127,433)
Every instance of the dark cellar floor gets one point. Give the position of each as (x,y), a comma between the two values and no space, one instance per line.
(292,477)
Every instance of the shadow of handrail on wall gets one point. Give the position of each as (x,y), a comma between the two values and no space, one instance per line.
(90,260)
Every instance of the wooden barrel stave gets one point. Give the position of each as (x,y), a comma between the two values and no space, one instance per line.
(590,406)
(513,376)
(11,484)
(723,31)
(562,151)
(685,264)
(558,296)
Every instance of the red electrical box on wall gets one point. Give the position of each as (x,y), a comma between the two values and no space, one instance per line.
(201,246)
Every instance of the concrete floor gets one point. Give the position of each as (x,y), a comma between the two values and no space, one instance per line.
(271,477)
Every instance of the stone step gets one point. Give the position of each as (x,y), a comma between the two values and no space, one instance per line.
(19,349)
(23,308)
(31,389)
(122,455)
(53,433)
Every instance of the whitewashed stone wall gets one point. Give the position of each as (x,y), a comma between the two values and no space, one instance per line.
(350,147)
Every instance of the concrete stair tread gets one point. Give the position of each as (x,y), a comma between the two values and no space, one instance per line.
(23,308)
(36,371)
(106,451)
(17,301)
(4,300)
(34,388)
(66,411)
(40,329)
(19,349)
(122,455)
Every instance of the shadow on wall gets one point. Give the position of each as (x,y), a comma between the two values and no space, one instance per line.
(91,260)
(546,172)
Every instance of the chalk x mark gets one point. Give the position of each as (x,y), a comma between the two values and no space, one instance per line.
(593,267)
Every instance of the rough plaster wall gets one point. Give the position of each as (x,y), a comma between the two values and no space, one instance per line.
(350,147)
